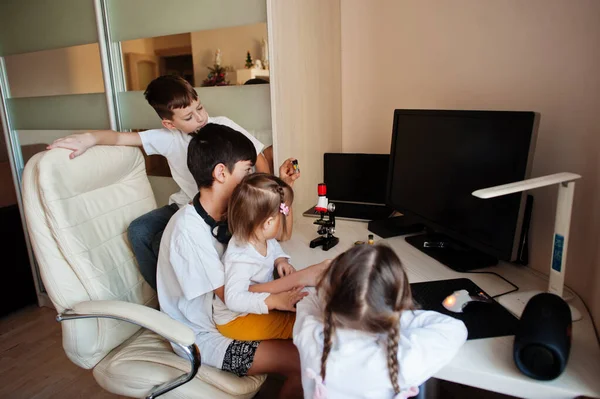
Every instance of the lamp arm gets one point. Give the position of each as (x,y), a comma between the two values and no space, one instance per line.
(524,185)
(564,206)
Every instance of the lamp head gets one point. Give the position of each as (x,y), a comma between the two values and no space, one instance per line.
(524,185)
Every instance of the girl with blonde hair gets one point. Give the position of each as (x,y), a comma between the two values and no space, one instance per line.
(361,337)
(256,307)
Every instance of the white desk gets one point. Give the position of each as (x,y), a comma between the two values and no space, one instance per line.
(482,363)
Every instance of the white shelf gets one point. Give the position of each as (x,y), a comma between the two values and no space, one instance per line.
(243,75)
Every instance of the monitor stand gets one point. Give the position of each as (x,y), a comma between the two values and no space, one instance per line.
(457,256)
(395,226)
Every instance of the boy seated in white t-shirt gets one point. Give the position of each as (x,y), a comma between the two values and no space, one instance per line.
(177,104)
(190,273)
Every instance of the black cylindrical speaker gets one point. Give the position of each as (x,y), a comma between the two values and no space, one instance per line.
(543,338)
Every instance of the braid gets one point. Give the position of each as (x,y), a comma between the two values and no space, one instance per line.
(392,348)
(281,194)
(328,330)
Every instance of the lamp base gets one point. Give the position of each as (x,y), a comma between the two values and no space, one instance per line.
(515,303)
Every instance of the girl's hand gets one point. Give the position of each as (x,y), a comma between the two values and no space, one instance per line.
(287,172)
(285,269)
(286,300)
(79,143)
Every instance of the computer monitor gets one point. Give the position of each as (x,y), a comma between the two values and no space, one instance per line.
(358,178)
(439,157)
(356,184)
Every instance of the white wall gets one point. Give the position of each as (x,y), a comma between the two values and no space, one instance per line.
(540,55)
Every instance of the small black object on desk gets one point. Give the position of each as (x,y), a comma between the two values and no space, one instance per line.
(452,253)
(326,222)
(326,229)
(543,338)
(395,226)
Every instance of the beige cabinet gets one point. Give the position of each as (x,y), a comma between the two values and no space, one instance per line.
(306,105)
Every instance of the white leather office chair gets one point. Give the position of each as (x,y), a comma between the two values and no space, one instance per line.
(77,214)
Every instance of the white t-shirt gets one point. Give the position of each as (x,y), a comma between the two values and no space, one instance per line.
(245,266)
(357,363)
(189,269)
(173,145)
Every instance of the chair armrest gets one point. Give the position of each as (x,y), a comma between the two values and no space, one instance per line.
(140,315)
(151,319)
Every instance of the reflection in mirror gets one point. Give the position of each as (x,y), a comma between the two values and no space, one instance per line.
(216,57)
(62,71)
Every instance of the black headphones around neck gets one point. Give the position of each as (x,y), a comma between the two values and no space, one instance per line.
(222,233)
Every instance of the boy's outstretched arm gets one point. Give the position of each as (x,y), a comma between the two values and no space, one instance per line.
(80,142)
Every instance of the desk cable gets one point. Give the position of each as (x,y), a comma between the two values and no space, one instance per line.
(516,288)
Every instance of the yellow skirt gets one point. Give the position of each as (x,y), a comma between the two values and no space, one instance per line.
(260,327)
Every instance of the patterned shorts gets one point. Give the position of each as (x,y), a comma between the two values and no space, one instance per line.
(239,357)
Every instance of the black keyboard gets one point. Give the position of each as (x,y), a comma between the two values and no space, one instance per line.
(357,211)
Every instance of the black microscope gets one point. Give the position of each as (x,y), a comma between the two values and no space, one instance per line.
(326,222)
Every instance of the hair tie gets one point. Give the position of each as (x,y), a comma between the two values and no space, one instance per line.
(320,391)
(283,208)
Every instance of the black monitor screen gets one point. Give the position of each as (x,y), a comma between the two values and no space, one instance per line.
(438,158)
(356,177)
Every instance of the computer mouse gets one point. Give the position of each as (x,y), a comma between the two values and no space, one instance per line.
(458,300)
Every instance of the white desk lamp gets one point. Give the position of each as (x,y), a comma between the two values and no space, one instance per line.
(516,302)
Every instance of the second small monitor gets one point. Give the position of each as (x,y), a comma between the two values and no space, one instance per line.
(356,183)
(356,177)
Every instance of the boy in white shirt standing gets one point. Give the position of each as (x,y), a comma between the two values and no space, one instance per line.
(177,104)
(190,273)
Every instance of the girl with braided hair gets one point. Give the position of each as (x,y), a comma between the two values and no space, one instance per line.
(361,337)
(256,307)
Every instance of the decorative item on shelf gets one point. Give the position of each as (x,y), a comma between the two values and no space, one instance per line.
(248,64)
(258,64)
(218,57)
(217,74)
(265,53)
(216,77)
